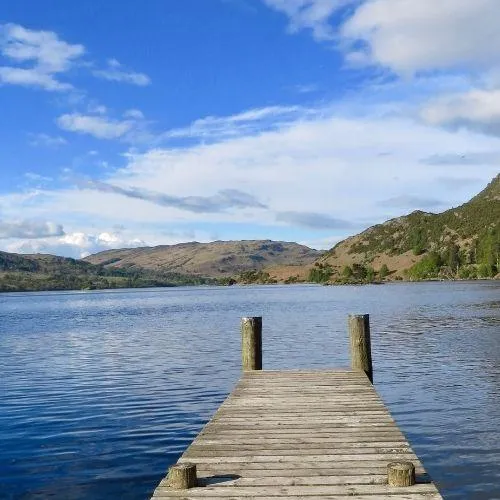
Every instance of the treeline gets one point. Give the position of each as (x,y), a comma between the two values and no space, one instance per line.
(356,273)
(21,281)
(479,259)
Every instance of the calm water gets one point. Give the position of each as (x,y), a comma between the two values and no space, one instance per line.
(101,391)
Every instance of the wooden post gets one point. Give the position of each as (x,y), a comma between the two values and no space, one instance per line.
(182,476)
(361,355)
(251,343)
(401,474)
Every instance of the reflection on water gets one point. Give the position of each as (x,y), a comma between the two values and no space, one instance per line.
(101,391)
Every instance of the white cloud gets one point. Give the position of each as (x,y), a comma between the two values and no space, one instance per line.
(48,57)
(410,36)
(31,78)
(308,88)
(136,114)
(477,109)
(47,140)
(331,167)
(323,173)
(310,14)
(48,54)
(96,109)
(76,245)
(44,48)
(251,121)
(117,73)
(405,36)
(98,126)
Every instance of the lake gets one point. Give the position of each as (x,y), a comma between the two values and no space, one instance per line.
(101,391)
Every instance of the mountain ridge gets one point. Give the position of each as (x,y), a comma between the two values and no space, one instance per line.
(216,259)
(456,235)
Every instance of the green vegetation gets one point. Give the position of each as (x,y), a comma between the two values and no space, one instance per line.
(358,273)
(47,272)
(384,271)
(421,232)
(255,278)
(320,273)
(480,258)
(460,243)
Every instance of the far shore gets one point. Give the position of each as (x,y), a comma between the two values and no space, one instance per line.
(352,283)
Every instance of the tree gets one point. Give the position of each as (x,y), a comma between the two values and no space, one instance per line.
(359,271)
(320,273)
(418,241)
(384,271)
(347,272)
(451,257)
(370,274)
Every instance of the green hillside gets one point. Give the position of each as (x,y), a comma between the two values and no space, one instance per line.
(462,242)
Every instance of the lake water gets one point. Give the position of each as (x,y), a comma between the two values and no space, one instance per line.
(101,391)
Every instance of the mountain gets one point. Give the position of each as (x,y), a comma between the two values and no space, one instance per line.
(218,259)
(183,264)
(462,242)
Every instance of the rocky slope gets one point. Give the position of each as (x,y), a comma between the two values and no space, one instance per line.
(217,259)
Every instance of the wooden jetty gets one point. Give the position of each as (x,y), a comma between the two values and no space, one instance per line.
(300,434)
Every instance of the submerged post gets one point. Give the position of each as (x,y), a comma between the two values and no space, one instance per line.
(361,355)
(182,476)
(251,343)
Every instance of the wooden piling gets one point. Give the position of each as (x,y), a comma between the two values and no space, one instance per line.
(359,332)
(400,474)
(300,434)
(251,343)
(182,476)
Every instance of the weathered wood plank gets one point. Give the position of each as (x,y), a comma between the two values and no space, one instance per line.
(300,434)
(301,470)
(242,451)
(249,491)
(393,496)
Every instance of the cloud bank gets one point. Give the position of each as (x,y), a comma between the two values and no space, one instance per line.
(29,229)
(224,200)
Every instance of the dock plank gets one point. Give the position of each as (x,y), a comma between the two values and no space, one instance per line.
(300,434)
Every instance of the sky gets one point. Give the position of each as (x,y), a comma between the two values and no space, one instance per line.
(165,121)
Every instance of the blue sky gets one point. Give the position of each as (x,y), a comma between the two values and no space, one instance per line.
(303,120)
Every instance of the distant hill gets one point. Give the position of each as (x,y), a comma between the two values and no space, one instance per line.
(49,272)
(217,259)
(462,242)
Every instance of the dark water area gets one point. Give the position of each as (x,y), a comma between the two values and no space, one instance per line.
(101,391)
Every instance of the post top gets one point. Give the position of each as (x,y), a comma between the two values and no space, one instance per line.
(403,466)
(182,466)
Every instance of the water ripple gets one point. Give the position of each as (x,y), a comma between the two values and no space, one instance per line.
(101,391)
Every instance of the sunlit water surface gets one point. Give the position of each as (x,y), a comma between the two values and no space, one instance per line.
(101,391)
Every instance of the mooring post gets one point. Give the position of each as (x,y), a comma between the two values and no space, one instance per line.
(400,474)
(182,476)
(361,355)
(251,343)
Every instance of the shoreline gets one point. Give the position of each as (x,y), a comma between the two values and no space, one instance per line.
(309,283)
